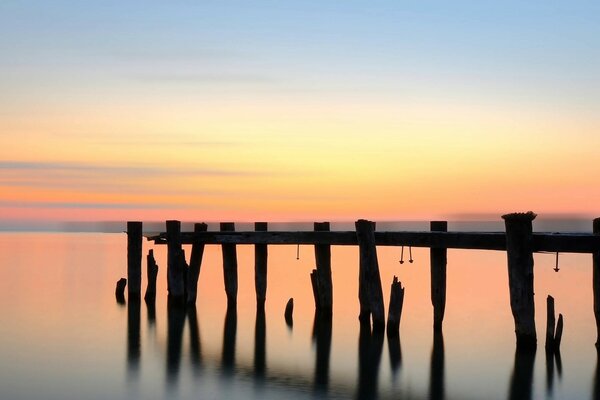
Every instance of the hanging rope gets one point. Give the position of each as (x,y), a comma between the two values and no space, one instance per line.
(402,255)
(556,269)
(298,252)
(410,259)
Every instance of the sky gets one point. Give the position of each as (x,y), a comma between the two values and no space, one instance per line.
(297,110)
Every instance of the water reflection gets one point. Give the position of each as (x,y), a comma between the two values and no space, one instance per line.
(176,322)
(260,345)
(394,351)
(596,384)
(133,334)
(437,388)
(521,382)
(195,346)
(151,310)
(370,346)
(321,335)
(229,333)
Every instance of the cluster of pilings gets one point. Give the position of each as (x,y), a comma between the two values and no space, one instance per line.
(518,240)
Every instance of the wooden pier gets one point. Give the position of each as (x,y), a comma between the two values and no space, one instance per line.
(519,241)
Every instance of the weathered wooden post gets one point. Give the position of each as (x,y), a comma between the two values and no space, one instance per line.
(370,293)
(596,282)
(438,258)
(324,286)
(395,307)
(195,264)
(134,258)
(260,267)
(519,237)
(289,313)
(550,323)
(151,273)
(175,272)
(120,290)
(230,274)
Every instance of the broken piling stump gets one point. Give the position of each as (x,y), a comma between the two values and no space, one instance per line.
(151,273)
(120,290)
(395,307)
(289,313)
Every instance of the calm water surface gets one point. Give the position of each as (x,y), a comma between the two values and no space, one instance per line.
(63,336)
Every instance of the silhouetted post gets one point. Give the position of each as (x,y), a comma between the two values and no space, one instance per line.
(230,274)
(133,333)
(438,258)
(120,290)
(323,261)
(520,276)
(289,313)
(260,267)
(195,265)
(134,258)
(558,334)
(521,382)
(395,307)
(596,282)
(314,281)
(151,273)
(370,293)
(550,323)
(175,272)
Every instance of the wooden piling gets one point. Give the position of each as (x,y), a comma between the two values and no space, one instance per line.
(370,293)
(230,275)
(314,282)
(520,277)
(260,267)
(438,260)
(558,334)
(550,323)
(134,258)
(596,281)
(395,307)
(195,265)
(289,313)
(323,262)
(175,272)
(151,273)
(120,290)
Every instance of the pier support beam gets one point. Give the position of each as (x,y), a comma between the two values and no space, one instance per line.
(195,265)
(151,274)
(596,282)
(175,271)
(324,285)
(134,258)
(230,274)
(438,258)
(260,268)
(370,293)
(520,277)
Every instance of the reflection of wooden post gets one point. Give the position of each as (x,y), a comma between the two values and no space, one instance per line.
(323,275)
(260,267)
(175,278)
(230,274)
(370,293)
(520,276)
(151,273)
(596,282)
(134,258)
(195,265)
(438,260)
(395,307)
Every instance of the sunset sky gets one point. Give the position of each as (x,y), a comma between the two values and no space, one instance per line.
(281,110)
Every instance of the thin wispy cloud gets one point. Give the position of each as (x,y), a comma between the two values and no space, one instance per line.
(85,205)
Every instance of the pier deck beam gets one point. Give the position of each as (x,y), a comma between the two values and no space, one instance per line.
(438,260)
(520,277)
(134,258)
(260,267)
(370,293)
(230,273)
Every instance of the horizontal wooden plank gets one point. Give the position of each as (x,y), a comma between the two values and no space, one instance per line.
(561,242)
